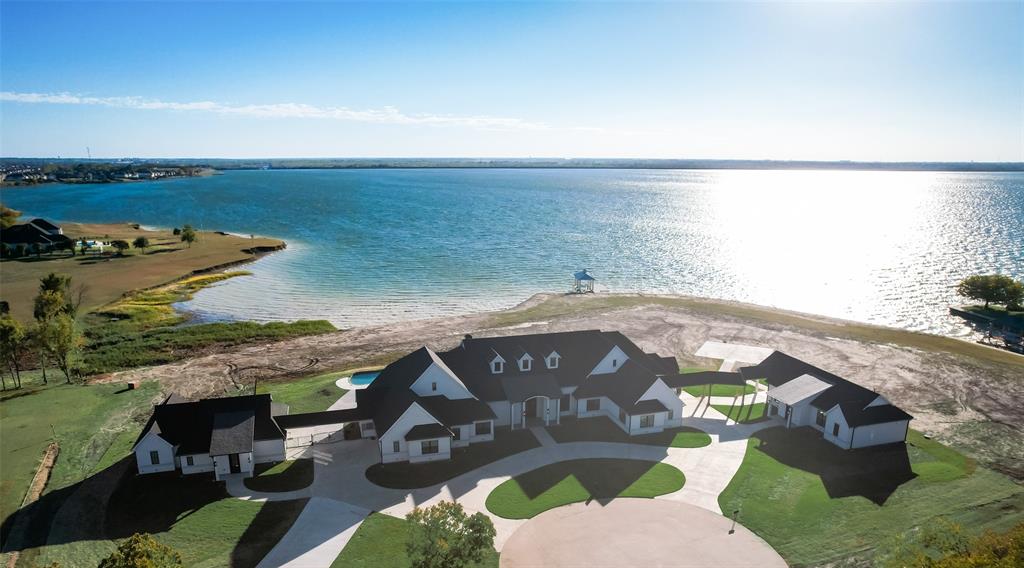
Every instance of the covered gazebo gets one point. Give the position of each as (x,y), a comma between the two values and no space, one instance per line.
(584,282)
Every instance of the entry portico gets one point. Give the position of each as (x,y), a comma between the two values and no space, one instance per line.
(532,396)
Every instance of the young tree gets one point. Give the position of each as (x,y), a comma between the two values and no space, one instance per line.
(141,243)
(62,342)
(176,232)
(992,288)
(13,342)
(142,551)
(120,246)
(8,217)
(84,246)
(188,235)
(52,301)
(443,536)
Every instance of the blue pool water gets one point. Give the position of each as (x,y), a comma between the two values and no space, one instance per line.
(377,246)
(364,377)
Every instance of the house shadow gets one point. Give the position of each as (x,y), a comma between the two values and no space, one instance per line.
(874,473)
(603,478)
(116,503)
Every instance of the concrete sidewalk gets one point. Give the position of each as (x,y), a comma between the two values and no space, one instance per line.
(318,536)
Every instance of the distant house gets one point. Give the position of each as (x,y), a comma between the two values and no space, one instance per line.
(846,414)
(36,232)
(220,435)
(426,403)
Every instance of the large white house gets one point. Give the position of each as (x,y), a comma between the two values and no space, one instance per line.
(847,414)
(219,435)
(426,403)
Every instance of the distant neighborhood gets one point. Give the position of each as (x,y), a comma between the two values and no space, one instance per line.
(32,173)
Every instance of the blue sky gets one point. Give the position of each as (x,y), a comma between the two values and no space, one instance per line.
(900,81)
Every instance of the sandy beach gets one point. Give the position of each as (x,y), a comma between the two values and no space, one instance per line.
(964,393)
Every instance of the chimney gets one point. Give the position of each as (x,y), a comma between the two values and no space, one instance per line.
(465,340)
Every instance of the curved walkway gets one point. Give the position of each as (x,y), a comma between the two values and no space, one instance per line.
(340,472)
(635,532)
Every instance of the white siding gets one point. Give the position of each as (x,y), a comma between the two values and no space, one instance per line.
(659,391)
(571,407)
(659,423)
(222,465)
(154,443)
(608,408)
(611,362)
(414,415)
(447,384)
(803,414)
(268,450)
(200,463)
(313,434)
(832,417)
(502,412)
(876,434)
(444,451)
(367,429)
(881,400)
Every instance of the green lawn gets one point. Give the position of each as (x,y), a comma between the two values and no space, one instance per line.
(308,394)
(380,543)
(94,425)
(573,481)
(739,412)
(817,504)
(602,429)
(719,390)
(287,475)
(405,475)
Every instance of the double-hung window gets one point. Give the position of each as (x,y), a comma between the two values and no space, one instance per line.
(647,421)
(154,457)
(593,404)
(429,447)
(483,428)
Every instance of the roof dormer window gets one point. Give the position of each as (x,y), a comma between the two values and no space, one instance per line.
(497,365)
(552,360)
(525,363)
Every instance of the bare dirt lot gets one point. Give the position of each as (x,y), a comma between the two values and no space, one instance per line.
(963,393)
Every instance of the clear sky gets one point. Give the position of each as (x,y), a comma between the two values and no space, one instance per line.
(898,81)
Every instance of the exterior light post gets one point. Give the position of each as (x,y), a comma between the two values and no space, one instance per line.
(734,515)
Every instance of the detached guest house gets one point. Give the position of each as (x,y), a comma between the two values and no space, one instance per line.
(222,435)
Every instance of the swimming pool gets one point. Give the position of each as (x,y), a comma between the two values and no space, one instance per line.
(364,377)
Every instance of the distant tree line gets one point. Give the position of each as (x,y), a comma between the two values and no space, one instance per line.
(993,289)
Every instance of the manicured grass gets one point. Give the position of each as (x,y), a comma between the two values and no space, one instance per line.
(288,475)
(817,504)
(602,429)
(405,475)
(719,390)
(740,413)
(380,543)
(557,484)
(88,420)
(308,394)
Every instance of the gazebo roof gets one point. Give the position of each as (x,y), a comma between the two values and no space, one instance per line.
(582,275)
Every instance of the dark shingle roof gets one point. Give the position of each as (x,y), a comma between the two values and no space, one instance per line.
(648,406)
(879,414)
(232,432)
(454,412)
(427,432)
(704,378)
(189,425)
(623,387)
(44,224)
(27,234)
(522,387)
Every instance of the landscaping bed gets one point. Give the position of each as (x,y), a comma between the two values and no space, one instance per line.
(719,390)
(816,503)
(573,481)
(380,543)
(405,475)
(287,475)
(602,429)
(744,414)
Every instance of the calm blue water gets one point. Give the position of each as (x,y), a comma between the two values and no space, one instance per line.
(364,377)
(370,246)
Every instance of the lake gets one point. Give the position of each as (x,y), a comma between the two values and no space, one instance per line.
(372,246)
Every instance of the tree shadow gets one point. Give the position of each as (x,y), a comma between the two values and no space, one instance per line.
(873,473)
(266,529)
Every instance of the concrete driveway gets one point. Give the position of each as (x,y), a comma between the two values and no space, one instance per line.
(319,534)
(635,532)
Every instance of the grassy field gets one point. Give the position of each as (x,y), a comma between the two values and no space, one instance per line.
(719,390)
(380,543)
(740,413)
(107,278)
(287,475)
(95,425)
(307,394)
(143,328)
(817,504)
(602,429)
(573,481)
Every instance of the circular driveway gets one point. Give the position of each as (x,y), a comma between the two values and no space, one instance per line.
(635,532)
